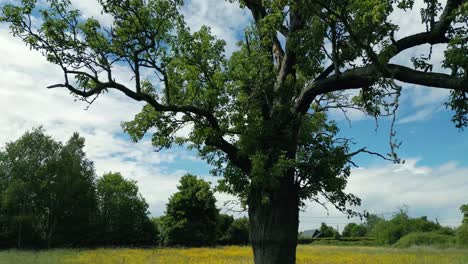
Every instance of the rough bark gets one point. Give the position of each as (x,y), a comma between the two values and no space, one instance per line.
(274,223)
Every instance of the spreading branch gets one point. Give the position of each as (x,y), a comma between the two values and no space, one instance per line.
(217,141)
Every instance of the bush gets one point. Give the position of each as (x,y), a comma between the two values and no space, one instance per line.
(354,230)
(346,241)
(328,231)
(305,240)
(425,239)
(237,233)
(389,232)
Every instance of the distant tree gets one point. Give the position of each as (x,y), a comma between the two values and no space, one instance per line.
(224,222)
(464,210)
(238,232)
(191,216)
(47,195)
(462,231)
(327,231)
(371,221)
(123,213)
(158,229)
(354,230)
(462,235)
(72,198)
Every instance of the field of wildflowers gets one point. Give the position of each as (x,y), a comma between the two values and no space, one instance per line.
(238,255)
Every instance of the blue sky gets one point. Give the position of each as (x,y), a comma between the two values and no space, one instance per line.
(434,140)
(432,182)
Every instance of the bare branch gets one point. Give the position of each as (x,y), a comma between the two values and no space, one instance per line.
(364,150)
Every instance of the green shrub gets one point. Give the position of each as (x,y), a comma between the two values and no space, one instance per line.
(425,239)
(354,230)
(328,231)
(305,240)
(346,241)
(389,232)
(237,233)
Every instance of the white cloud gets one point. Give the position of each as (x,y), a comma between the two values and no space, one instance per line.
(92,8)
(26,103)
(423,114)
(435,192)
(423,102)
(225,19)
(351,115)
(423,96)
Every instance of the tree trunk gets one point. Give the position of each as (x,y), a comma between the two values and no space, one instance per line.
(274,223)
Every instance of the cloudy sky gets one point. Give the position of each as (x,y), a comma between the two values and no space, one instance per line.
(432,182)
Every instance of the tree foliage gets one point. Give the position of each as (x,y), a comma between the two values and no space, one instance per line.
(390,231)
(237,233)
(428,239)
(462,231)
(123,213)
(49,197)
(47,192)
(224,223)
(191,218)
(354,230)
(328,231)
(464,211)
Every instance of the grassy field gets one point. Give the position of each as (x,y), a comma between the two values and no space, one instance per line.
(231,255)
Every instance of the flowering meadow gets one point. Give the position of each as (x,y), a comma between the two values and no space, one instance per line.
(237,255)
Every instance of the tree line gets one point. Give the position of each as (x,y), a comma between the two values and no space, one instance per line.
(50,196)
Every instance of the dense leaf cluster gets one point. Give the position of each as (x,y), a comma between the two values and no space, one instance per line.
(192,218)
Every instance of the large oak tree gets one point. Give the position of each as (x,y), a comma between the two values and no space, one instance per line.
(259,116)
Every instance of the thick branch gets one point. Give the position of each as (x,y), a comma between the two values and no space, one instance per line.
(232,152)
(327,71)
(435,36)
(351,79)
(258,12)
(367,76)
(290,58)
(431,79)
